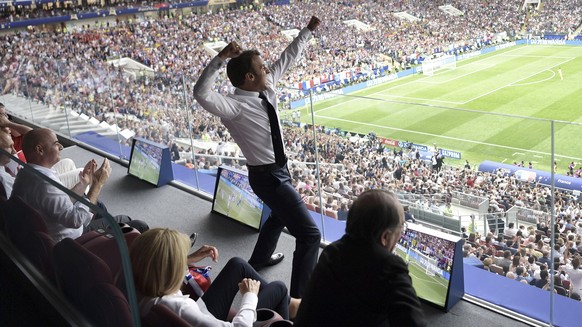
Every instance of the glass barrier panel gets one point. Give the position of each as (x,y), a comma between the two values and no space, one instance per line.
(30,93)
(455,165)
(481,142)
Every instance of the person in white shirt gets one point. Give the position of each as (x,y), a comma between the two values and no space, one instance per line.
(250,114)
(64,216)
(574,273)
(6,174)
(159,259)
(510,230)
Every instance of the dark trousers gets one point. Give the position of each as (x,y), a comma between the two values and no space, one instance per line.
(224,287)
(287,210)
(100,222)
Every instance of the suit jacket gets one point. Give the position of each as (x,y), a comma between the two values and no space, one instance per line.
(359,283)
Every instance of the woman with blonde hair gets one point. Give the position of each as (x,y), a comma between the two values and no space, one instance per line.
(159,259)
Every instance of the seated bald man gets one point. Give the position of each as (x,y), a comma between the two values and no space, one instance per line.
(65,217)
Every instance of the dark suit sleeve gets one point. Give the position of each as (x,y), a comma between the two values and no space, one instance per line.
(402,304)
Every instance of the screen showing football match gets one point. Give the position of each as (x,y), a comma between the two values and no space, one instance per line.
(146,159)
(234,198)
(430,262)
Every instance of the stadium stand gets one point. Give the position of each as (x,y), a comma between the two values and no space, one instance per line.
(72,96)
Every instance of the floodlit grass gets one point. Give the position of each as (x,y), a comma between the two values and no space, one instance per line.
(494,107)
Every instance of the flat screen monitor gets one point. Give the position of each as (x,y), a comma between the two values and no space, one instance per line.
(146,160)
(435,264)
(234,198)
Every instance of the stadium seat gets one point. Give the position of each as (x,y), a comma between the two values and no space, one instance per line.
(160,315)
(497,269)
(87,282)
(560,290)
(26,229)
(310,206)
(331,213)
(3,199)
(566,284)
(102,244)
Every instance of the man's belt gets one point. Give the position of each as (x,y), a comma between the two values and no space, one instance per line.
(266,168)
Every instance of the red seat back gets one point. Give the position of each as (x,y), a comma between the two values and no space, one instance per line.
(87,282)
(160,315)
(103,244)
(26,229)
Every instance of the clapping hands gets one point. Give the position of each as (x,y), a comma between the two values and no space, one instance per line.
(249,285)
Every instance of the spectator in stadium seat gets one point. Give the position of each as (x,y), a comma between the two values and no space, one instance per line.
(510,231)
(521,274)
(6,174)
(64,216)
(504,261)
(342,213)
(545,259)
(487,262)
(543,281)
(163,254)
(574,272)
(382,294)
(251,117)
(16,130)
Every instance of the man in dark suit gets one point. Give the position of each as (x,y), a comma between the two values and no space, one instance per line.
(358,281)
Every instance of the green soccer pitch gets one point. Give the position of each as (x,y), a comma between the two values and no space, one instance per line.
(430,288)
(492,107)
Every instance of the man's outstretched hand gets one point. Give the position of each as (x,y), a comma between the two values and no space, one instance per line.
(313,23)
(232,50)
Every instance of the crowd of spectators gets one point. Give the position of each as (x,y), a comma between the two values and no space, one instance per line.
(557,17)
(523,254)
(69,70)
(20,12)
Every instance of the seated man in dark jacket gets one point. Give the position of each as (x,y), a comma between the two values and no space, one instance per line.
(358,281)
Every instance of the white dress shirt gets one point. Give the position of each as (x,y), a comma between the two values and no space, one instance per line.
(7,181)
(575,278)
(243,112)
(63,217)
(195,312)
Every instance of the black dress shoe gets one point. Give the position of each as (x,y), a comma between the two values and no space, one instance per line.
(275,259)
(193,238)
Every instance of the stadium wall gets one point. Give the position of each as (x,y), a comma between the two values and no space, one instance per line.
(532,175)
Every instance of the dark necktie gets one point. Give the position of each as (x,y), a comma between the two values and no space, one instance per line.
(275,132)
